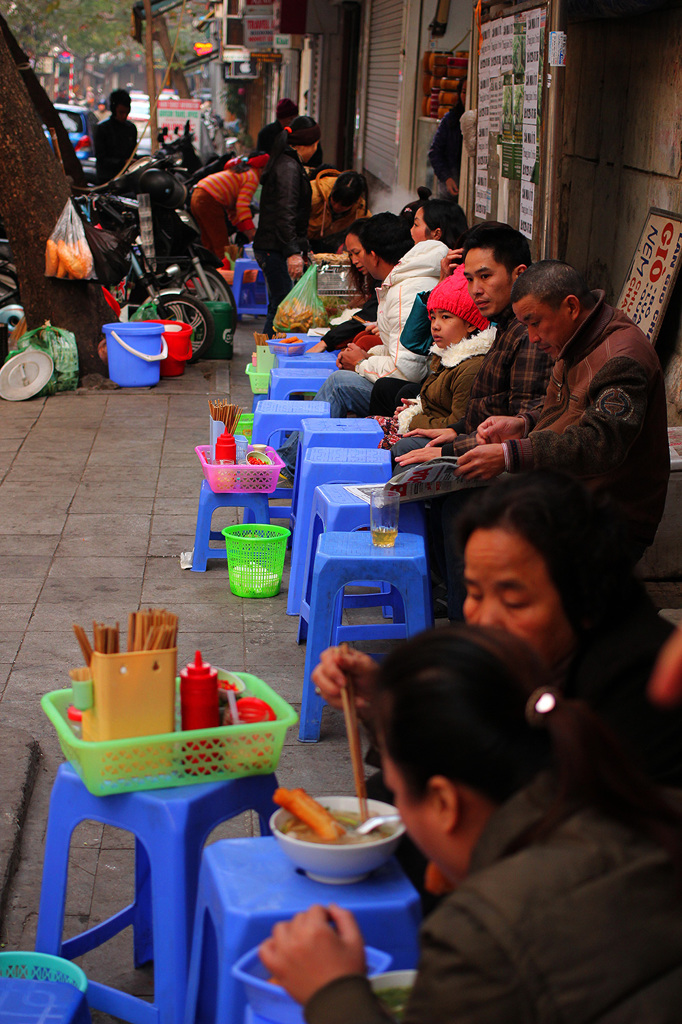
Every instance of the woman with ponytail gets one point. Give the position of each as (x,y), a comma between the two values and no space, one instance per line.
(564,860)
(281,240)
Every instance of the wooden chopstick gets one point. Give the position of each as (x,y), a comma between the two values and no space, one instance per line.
(353,730)
(83,643)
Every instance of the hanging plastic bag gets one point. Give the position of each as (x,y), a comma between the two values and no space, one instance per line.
(61,346)
(302,308)
(67,253)
(110,252)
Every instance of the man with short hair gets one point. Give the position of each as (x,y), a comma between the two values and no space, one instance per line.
(116,138)
(513,376)
(604,417)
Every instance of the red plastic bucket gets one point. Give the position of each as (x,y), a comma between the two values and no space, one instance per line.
(179,340)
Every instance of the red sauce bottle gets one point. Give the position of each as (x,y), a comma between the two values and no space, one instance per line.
(226,449)
(199,695)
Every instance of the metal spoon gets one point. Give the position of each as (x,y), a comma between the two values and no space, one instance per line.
(365,827)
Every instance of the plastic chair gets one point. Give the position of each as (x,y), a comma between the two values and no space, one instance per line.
(335,510)
(343,558)
(332,433)
(251,297)
(282,417)
(170,828)
(256,510)
(284,383)
(41,1002)
(319,360)
(246,886)
(328,466)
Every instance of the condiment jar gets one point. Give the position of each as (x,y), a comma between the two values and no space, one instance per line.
(253,709)
(75,721)
(225,450)
(199,695)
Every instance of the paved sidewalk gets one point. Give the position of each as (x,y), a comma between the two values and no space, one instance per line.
(98,498)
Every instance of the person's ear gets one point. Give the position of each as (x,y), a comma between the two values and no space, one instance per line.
(436,234)
(444,803)
(572,303)
(517,271)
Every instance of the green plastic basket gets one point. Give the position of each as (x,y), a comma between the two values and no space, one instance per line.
(175,758)
(245,425)
(42,967)
(260,382)
(255,558)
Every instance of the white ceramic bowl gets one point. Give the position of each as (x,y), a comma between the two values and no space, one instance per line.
(338,865)
(392,979)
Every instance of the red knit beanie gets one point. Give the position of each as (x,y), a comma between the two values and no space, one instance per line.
(286,108)
(452,294)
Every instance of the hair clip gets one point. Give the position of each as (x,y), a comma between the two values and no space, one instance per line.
(540,703)
(287,129)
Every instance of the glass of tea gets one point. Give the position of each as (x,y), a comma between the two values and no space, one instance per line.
(384,508)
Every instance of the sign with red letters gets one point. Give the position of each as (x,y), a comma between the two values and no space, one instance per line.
(653,271)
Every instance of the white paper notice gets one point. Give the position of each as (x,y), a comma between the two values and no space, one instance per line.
(483,113)
(481,204)
(495,104)
(507,53)
(529,151)
(526,212)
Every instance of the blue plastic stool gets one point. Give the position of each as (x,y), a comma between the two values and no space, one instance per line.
(328,466)
(252,297)
(247,886)
(319,360)
(283,417)
(335,510)
(256,510)
(170,828)
(289,382)
(332,433)
(343,558)
(25,1001)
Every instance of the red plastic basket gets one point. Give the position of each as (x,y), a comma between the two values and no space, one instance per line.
(240,479)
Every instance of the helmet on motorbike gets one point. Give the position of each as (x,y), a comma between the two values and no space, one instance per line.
(256,160)
(163,188)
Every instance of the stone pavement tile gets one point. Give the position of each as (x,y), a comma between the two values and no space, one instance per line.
(28,565)
(15,616)
(94,534)
(52,651)
(53,504)
(117,839)
(21,756)
(30,543)
(19,589)
(174,525)
(20,521)
(10,444)
(277,659)
(312,767)
(269,616)
(242,827)
(210,617)
(97,567)
(179,505)
(167,583)
(77,593)
(82,870)
(170,545)
(102,482)
(5,669)
(108,499)
(114,607)
(10,641)
(224,651)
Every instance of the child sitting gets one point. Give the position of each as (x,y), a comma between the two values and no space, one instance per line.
(461,338)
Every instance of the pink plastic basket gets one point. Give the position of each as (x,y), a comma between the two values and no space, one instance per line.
(280,348)
(240,479)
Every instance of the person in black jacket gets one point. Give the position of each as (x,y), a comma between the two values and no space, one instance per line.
(282,236)
(115,139)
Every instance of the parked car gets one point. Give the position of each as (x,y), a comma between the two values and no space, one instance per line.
(80,123)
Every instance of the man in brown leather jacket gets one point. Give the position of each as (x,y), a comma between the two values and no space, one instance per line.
(604,416)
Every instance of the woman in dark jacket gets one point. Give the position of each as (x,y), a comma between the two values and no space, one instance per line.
(282,235)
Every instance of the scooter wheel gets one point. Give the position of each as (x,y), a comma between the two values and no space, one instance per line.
(187,309)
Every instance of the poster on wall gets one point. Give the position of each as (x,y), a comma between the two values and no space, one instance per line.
(653,271)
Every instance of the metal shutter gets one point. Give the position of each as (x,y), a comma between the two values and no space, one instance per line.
(382,116)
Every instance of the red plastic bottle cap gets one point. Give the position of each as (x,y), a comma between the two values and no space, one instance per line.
(253,709)
(73,714)
(198,670)
(225,448)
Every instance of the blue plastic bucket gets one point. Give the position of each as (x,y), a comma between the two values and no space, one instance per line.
(135,359)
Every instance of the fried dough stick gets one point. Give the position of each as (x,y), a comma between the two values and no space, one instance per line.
(302,806)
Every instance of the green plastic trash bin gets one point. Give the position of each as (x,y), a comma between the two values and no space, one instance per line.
(224,320)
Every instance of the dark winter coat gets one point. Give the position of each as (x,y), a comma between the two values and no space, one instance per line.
(285,201)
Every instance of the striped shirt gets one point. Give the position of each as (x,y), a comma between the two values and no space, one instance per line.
(235,193)
(512,381)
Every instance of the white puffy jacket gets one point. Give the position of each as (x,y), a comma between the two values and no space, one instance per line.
(418,271)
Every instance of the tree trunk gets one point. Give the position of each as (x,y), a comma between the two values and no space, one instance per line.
(178,80)
(42,103)
(33,191)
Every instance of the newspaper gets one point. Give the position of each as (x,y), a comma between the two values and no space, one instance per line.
(420,481)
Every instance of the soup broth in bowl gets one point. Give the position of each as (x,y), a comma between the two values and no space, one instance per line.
(349,858)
